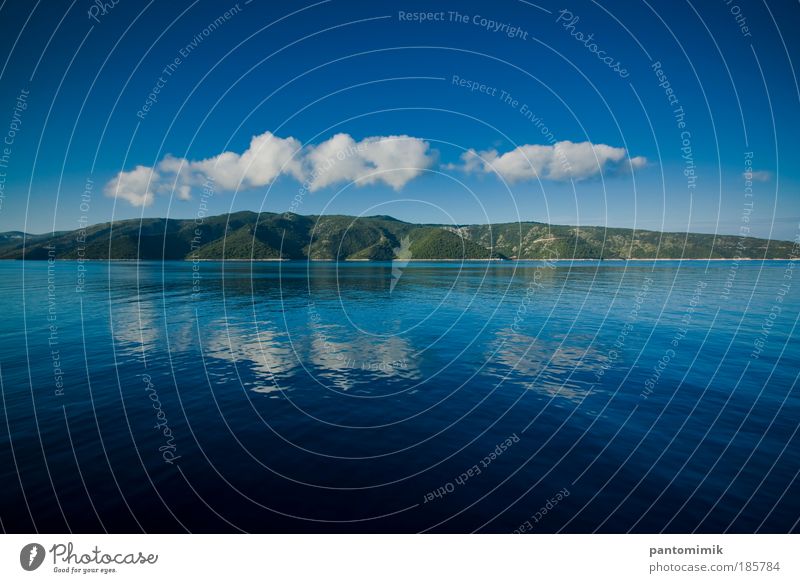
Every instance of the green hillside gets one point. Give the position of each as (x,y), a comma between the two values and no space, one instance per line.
(248,235)
(439,243)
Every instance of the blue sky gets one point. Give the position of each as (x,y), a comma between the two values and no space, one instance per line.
(415,141)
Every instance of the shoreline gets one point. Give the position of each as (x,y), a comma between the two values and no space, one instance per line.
(405,261)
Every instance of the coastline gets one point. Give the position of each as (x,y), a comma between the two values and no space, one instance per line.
(405,261)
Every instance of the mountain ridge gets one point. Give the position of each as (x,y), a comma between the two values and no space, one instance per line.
(246,235)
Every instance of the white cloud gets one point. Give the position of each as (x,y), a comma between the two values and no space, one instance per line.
(638,162)
(393,160)
(758,175)
(263,161)
(561,161)
(332,161)
(184,192)
(267,157)
(396,159)
(137,186)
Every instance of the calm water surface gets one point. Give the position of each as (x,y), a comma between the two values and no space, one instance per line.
(443,397)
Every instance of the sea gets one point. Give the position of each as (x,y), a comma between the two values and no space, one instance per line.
(493,397)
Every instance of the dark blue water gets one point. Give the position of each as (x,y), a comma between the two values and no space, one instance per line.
(608,397)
